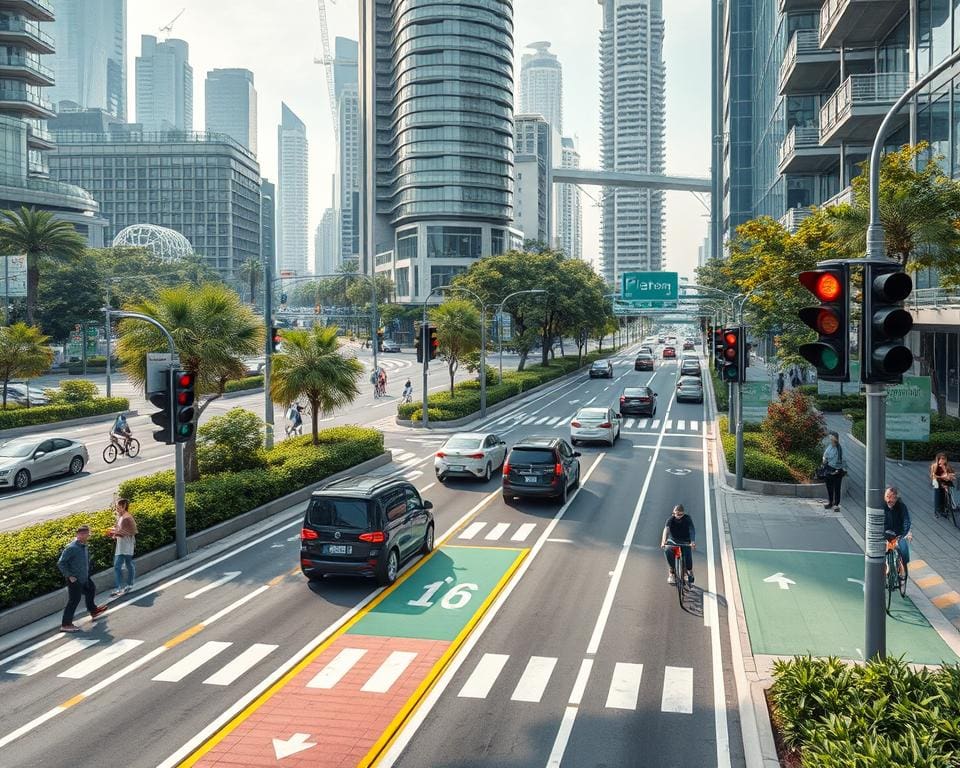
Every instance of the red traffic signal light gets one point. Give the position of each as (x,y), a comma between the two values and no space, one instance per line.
(734,363)
(276,340)
(183,411)
(825,285)
(831,320)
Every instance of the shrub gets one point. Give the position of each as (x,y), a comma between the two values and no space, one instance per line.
(231,442)
(794,425)
(70,392)
(248,382)
(838,403)
(720,391)
(50,414)
(759,463)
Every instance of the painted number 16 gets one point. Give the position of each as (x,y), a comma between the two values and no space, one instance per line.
(457,597)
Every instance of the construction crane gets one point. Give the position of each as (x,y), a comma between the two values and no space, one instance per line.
(168,27)
(327,61)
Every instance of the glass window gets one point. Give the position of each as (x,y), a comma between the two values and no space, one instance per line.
(339,513)
(407,243)
(402,281)
(394,505)
(442,275)
(496,239)
(454,242)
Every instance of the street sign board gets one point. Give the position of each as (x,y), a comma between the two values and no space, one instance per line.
(75,344)
(756,398)
(650,289)
(158,363)
(908,410)
(15,269)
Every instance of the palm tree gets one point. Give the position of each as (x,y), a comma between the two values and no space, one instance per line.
(42,238)
(213,331)
(311,366)
(252,272)
(23,353)
(458,331)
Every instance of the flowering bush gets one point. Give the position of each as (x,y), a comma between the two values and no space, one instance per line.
(793,425)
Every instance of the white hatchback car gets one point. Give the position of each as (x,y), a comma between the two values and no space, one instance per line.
(470,454)
(600,424)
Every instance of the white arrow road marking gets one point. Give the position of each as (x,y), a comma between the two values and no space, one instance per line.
(572,402)
(228,576)
(858,581)
(779,579)
(294,538)
(680,472)
(296,743)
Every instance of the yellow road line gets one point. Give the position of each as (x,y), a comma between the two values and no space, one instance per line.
(185,635)
(75,700)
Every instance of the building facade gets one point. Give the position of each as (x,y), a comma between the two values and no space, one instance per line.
(541,85)
(204,186)
(349,149)
(632,128)
(443,103)
(533,162)
(164,85)
(293,247)
(90,63)
(230,105)
(268,223)
(569,207)
(326,259)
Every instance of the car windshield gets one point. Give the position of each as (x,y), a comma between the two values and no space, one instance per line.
(690,383)
(13,450)
(462,442)
(636,392)
(339,513)
(592,413)
(644,356)
(600,364)
(532,456)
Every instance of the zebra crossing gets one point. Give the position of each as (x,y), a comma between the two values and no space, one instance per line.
(478,531)
(88,655)
(651,424)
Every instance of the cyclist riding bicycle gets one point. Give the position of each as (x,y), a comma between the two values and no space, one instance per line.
(120,432)
(382,382)
(407,392)
(679,528)
(896,518)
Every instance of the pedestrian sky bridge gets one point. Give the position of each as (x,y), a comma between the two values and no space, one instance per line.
(630,179)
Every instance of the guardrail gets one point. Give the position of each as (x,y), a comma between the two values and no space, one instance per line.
(878,88)
(798,137)
(934,298)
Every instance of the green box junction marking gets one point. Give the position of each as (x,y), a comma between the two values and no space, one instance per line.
(908,409)
(650,289)
(442,596)
(812,602)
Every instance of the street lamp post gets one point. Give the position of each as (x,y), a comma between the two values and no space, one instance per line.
(500,322)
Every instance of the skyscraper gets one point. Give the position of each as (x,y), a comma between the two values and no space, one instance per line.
(569,211)
(541,85)
(90,63)
(231,105)
(632,126)
(292,231)
(325,256)
(534,165)
(347,189)
(164,85)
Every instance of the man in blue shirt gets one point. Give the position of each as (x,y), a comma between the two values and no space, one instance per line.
(74,564)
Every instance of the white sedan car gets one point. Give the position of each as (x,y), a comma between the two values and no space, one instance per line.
(470,454)
(600,424)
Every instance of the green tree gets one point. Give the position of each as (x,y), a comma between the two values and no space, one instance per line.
(458,331)
(251,272)
(23,353)
(311,366)
(43,239)
(71,292)
(231,442)
(213,331)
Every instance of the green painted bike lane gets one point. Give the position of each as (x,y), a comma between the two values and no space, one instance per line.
(806,602)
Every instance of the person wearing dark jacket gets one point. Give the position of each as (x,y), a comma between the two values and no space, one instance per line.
(679,529)
(896,518)
(74,564)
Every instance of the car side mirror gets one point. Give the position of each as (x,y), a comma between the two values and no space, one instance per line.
(39,455)
(655,394)
(619,415)
(503,442)
(427,504)
(577,454)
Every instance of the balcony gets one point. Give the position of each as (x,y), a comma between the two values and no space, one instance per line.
(40,138)
(845,195)
(854,112)
(800,5)
(792,218)
(25,33)
(801,152)
(806,66)
(25,104)
(855,22)
(41,10)
(19,67)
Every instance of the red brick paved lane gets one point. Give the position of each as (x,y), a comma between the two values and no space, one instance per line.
(360,684)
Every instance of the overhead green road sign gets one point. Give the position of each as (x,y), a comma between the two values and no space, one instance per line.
(650,289)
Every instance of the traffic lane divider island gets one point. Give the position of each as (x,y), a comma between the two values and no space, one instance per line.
(345,701)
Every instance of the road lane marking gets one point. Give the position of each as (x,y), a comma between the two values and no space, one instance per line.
(677,690)
(472,530)
(228,576)
(695,426)
(389,672)
(563,736)
(624,686)
(53,657)
(336,668)
(529,420)
(191,662)
(497,531)
(484,676)
(30,649)
(49,508)
(580,684)
(534,680)
(108,655)
(643,424)
(681,425)
(560,541)
(656,424)
(669,423)
(243,663)
(523,531)
(543,420)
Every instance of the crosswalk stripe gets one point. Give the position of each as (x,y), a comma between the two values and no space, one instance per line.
(389,672)
(412,475)
(554,420)
(483,677)
(113,651)
(192,661)
(643,424)
(50,658)
(245,661)
(342,663)
(472,530)
(656,424)
(624,686)
(695,426)
(629,423)
(543,420)
(523,531)
(668,424)
(677,690)
(529,420)
(681,424)
(497,531)
(533,681)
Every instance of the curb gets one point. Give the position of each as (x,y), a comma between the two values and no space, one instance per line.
(42,610)
(103,417)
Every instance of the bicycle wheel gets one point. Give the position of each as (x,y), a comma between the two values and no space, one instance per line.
(110,453)
(901,575)
(890,578)
(679,576)
(133,447)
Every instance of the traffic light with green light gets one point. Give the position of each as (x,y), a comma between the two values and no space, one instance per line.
(830,353)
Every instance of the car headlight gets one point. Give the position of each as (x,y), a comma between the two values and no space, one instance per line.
(4,472)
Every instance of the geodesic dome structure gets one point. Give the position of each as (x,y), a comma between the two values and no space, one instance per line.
(165,244)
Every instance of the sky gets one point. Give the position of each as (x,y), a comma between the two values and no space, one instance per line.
(278,40)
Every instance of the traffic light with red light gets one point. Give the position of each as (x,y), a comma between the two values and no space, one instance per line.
(433,342)
(830,354)
(163,418)
(183,410)
(419,342)
(734,352)
(885,323)
(276,340)
(380,340)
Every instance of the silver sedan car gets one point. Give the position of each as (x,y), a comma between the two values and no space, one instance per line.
(601,424)
(470,454)
(26,459)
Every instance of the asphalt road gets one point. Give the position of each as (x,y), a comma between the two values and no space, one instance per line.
(589,606)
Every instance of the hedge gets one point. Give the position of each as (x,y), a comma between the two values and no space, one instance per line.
(721,390)
(28,557)
(248,382)
(947,441)
(838,403)
(465,400)
(49,414)
(759,460)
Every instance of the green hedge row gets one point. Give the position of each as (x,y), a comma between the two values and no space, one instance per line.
(760,461)
(248,382)
(829,714)
(28,557)
(721,390)
(465,400)
(946,441)
(839,403)
(49,414)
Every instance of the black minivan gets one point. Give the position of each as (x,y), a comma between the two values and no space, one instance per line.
(541,466)
(364,526)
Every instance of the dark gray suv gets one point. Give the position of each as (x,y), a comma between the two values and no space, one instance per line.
(364,526)
(541,466)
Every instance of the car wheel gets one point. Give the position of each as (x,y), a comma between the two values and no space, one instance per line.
(509,500)
(389,568)
(427,547)
(21,480)
(487,472)
(76,465)
(564,493)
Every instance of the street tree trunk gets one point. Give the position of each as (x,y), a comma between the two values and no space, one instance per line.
(33,280)
(452,367)
(314,419)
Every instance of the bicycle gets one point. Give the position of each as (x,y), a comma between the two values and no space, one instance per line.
(379,390)
(950,507)
(679,572)
(408,398)
(114,449)
(895,570)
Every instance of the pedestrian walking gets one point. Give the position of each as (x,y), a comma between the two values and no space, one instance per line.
(942,477)
(781,383)
(74,564)
(125,534)
(832,471)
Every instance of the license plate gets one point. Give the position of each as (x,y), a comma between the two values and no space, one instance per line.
(456,467)
(530,479)
(339,549)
